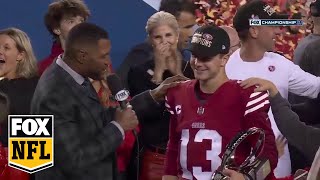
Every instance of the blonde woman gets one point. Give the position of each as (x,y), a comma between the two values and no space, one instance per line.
(163,34)
(18,66)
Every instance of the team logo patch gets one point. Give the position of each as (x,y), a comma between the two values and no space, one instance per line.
(200,110)
(271,68)
(207,37)
(30,142)
(202,39)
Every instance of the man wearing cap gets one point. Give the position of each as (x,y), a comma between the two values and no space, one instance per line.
(208,112)
(254,60)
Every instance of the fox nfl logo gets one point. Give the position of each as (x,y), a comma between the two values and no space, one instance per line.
(30,142)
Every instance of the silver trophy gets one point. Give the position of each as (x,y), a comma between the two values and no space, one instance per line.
(253,167)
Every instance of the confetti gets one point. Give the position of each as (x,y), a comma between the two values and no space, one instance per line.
(221,12)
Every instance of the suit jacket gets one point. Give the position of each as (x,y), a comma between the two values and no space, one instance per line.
(85,141)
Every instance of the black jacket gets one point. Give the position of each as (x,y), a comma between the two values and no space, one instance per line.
(154,128)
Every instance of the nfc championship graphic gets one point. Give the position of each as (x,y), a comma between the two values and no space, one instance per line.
(30,142)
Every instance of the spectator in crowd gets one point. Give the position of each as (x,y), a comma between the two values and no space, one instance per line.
(18,66)
(163,33)
(86,134)
(253,60)
(315,35)
(61,16)
(184,11)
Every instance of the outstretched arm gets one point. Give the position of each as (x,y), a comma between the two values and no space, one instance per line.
(307,140)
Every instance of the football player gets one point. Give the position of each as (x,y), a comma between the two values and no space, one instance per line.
(206,113)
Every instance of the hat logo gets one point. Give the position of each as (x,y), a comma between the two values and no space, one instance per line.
(271,68)
(268,9)
(223,47)
(207,37)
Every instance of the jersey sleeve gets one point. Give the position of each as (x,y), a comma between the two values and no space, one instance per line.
(171,162)
(256,115)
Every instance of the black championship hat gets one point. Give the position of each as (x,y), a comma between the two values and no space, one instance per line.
(209,41)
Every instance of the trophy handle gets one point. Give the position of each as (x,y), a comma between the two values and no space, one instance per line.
(259,146)
(229,157)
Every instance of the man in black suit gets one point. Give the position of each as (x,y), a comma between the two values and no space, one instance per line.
(86,134)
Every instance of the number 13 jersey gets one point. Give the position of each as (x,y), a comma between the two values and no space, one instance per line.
(200,131)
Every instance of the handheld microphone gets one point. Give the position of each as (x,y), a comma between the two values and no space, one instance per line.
(118,91)
(121,95)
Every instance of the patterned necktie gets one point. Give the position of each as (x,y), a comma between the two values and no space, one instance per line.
(86,83)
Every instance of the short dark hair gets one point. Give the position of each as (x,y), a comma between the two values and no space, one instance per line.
(175,7)
(84,34)
(4,106)
(61,8)
(243,35)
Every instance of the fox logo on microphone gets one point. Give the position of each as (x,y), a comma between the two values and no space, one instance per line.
(122,95)
(30,142)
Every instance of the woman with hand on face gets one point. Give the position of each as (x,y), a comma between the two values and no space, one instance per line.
(163,34)
(164,37)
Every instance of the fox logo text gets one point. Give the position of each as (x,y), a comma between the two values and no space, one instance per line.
(254,22)
(30,142)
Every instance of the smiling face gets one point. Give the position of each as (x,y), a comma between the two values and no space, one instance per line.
(265,36)
(209,68)
(164,34)
(9,57)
